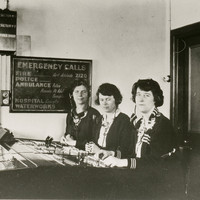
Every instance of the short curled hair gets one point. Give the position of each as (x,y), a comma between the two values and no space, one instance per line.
(108,89)
(149,85)
(77,83)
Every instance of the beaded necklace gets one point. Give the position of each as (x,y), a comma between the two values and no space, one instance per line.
(77,117)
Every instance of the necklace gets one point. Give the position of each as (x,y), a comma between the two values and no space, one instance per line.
(105,127)
(77,117)
(144,127)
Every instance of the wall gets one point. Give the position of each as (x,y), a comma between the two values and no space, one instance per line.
(184,12)
(126,40)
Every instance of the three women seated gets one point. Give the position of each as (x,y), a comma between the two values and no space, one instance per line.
(113,136)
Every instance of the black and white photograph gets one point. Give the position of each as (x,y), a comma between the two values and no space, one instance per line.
(100,100)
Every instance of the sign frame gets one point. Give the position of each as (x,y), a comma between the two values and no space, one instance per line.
(41,84)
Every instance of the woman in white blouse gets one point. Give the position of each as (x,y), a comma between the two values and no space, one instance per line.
(113,133)
(154,138)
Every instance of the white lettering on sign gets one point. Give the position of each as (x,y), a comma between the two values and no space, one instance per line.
(75,67)
(30,84)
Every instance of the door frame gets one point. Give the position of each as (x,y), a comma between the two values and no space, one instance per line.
(179,65)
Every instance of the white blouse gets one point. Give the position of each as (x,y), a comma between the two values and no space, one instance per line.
(105,126)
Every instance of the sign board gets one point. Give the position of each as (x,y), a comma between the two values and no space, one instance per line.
(42,84)
(8,20)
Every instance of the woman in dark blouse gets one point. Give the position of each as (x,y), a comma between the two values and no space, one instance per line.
(81,120)
(154,137)
(112,136)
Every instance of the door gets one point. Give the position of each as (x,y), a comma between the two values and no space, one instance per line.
(185,86)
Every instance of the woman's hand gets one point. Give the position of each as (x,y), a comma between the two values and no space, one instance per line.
(102,154)
(115,162)
(68,140)
(146,138)
(63,140)
(91,147)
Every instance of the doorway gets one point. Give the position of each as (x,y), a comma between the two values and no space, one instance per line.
(185,85)
(185,102)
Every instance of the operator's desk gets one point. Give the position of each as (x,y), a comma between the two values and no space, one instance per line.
(31,170)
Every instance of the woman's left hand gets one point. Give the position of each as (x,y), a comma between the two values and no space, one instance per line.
(91,147)
(146,138)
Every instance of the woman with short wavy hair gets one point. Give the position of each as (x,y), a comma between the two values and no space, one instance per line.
(113,133)
(154,138)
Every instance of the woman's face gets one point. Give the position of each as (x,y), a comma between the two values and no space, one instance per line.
(80,95)
(107,103)
(144,100)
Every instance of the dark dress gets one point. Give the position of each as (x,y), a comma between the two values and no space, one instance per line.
(118,136)
(83,130)
(163,141)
